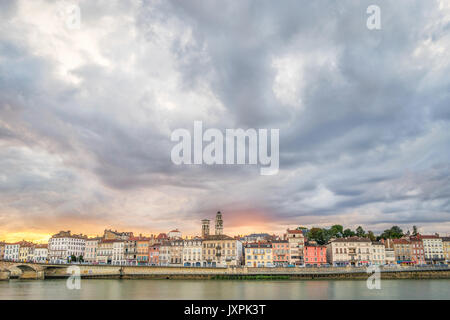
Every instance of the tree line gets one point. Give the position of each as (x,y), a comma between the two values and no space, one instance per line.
(323,235)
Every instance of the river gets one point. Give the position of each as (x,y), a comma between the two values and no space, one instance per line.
(224,289)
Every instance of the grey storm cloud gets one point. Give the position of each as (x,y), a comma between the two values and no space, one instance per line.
(86,115)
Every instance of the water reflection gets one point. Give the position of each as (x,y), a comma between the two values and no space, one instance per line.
(225,289)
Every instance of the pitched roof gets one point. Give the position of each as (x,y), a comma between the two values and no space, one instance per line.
(429,237)
(352,239)
(400,241)
(294,231)
(218,237)
(258,245)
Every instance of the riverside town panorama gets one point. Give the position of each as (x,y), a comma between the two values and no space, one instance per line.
(300,247)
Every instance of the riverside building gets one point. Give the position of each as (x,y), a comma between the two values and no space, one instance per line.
(433,248)
(280,252)
(63,245)
(354,251)
(258,254)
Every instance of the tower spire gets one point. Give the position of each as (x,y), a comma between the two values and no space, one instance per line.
(219,223)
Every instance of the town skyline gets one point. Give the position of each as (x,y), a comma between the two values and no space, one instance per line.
(87,112)
(42,238)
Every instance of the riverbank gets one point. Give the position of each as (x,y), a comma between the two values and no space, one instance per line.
(266,275)
(54,271)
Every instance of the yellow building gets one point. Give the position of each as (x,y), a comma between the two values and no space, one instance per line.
(142,245)
(26,251)
(446,246)
(105,251)
(258,254)
(221,250)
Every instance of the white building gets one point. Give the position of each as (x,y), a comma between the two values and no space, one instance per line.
(434,249)
(164,253)
(12,251)
(378,254)
(118,256)
(40,253)
(192,252)
(63,245)
(390,256)
(90,251)
(354,251)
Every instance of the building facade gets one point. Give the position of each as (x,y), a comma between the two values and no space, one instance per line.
(142,245)
(258,254)
(164,253)
(63,245)
(446,247)
(378,254)
(176,252)
(280,252)
(221,250)
(153,254)
(433,248)
(105,251)
(40,254)
(26,251)
(296,242)
(12,251)
(314,254)
(90,251)
(192,252)
(353,251)
(390,256)
(118,255)
(130,251)
(417,250)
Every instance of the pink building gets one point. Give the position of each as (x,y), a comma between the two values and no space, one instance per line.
(417,251)
(280,252)
(314,254)
(153,254)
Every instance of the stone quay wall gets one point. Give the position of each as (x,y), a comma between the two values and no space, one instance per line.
(41,271)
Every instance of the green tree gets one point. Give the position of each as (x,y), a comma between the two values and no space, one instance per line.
(336,231)
(321,236)
(73,258)
(371,236)
(80,258)
(415,232)
(393,233)
(348,233)
(360,232)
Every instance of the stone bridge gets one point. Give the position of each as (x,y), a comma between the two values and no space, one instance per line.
(24,270)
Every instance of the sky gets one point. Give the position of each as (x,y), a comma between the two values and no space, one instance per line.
(86,114)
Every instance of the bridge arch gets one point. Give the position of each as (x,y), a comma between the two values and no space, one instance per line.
(28,271)
(27,267)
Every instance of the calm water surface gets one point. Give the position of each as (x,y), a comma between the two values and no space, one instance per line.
(224,289)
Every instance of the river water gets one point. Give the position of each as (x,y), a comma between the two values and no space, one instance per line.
(224,289)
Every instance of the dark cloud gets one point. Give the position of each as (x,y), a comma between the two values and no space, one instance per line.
(86,115)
